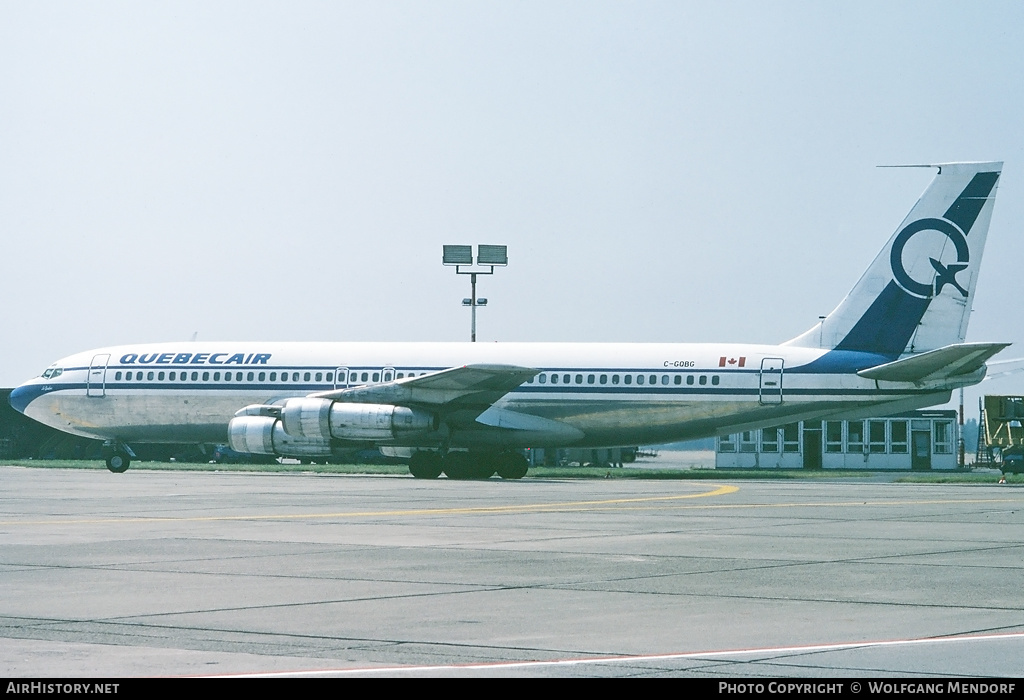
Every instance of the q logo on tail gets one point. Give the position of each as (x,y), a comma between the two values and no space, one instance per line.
(945,274)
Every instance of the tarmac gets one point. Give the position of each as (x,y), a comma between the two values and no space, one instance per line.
(155,573)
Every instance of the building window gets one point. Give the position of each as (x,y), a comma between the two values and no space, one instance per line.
(791,437)
(748,441)
(834,436)
(770,440)
(876,436)
(727,443)
(898,437)
(942,430)
(854,436)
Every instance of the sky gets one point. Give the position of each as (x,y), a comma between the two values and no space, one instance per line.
(660,171)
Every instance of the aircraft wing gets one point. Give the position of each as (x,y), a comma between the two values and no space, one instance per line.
(470,386)
(950,361)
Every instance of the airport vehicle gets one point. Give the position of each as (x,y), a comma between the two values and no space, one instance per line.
(1001,433)
(895,343)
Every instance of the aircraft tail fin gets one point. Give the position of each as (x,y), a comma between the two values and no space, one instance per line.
(916,296)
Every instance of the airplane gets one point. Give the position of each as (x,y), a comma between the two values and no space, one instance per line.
(894,343)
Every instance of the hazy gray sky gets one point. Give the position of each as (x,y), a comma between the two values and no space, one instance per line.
(660,171)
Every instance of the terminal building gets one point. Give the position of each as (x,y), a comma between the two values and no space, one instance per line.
(914,440)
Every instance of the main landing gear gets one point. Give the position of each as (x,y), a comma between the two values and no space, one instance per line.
(468,465)
(118,456)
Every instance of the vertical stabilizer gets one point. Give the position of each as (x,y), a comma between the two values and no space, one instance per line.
(917,294)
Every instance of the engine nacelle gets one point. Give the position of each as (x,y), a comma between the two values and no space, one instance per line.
(264,435)
(323,419)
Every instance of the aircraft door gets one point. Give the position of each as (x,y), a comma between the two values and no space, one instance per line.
(387,374)
(96,382)
(341,378)
(771,380)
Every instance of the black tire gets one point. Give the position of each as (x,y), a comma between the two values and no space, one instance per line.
(457,465)
(512,465)
(425,465)
(118,462)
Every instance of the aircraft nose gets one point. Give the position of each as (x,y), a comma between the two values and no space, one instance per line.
(22,396)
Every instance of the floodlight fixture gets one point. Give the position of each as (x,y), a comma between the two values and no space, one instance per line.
(458,255)
(492,255)
(487,256)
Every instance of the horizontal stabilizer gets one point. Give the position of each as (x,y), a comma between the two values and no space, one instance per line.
(950,361)
(468,386)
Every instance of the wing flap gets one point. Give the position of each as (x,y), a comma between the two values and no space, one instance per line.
(950,361)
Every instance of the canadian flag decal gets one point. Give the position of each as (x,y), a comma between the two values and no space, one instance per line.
(732,361)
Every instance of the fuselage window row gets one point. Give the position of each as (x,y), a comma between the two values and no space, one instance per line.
(626,379)
(353,378)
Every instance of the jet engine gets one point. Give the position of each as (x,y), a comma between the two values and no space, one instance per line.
(323,419)
(304,427)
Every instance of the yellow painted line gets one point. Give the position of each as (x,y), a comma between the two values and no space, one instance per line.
(535,507)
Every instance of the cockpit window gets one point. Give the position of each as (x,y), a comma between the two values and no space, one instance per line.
(52,372)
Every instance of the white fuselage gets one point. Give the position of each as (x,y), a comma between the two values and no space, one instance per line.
(609,394)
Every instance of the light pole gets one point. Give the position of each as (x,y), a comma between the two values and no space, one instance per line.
(460,256)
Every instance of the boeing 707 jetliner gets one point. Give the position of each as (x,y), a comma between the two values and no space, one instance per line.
(895,343)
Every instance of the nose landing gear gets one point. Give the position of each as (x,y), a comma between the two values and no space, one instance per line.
(118,456)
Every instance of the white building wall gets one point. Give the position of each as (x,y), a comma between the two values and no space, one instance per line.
(874,444)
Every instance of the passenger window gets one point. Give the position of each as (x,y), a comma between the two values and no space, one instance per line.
(664,379)
(149,376)
(615,379)
(714,379)
(366,375)
(554,379)
(703,380)
(206,376)
(566,378)
(543,378)
(628,379)
(689,379)
(329,377)
(654,379)
(263,376)
(318,376)
(117,375)
(677,380)
(376,376)
(295,376)
(216,376)
(604,378)
(579,378)
(195,376)
(250,377)
(639,379)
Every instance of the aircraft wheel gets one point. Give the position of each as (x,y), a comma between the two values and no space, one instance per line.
(118,462)
(483,466)
(457,465)
(512,465)
(425,465)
